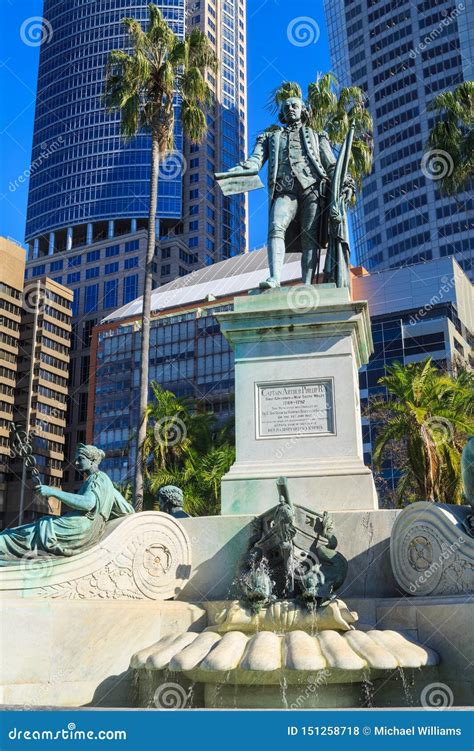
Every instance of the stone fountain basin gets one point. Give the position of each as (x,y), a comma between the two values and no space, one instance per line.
(268,658)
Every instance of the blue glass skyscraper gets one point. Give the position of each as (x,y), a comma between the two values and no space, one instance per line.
(85,175)
(403,54)
(89,190)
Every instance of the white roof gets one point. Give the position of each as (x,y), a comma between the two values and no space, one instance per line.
(238,274)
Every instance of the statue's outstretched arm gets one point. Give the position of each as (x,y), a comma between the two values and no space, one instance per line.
(84,502)
(257,158)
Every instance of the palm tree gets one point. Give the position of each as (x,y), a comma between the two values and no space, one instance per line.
(333,109)
(453,134)
(142,86)
(185,447)
(430,413)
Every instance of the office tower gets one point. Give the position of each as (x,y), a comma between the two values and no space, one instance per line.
(418,311)
(36,331)
(12,270)
(88,200)
(402,54)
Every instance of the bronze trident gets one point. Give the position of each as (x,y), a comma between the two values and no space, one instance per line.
(22,447)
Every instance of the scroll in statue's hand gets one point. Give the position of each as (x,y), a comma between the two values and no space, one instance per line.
(242,169)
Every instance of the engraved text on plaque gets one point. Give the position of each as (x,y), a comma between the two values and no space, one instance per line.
(295,408)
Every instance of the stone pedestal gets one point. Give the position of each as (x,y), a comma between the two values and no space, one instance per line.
(297,355)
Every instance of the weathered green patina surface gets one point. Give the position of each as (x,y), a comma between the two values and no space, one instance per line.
(308,192)
(96,502)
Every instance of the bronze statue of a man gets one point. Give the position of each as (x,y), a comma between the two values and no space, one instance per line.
(301,165)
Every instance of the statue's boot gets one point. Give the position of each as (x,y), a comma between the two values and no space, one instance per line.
(276,255)
(309,262)
(270,283)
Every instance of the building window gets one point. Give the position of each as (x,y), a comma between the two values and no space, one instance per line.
(130,288)
(194,162)
(56,266)
(193,242)
(93,255)
(85,362)
(131,263)
(82,407)
(166,252)
(39,270)
(110,293)
(74,277)
(193,194)
(88,326)
(111,268)
(91,298)
(74,261)
(132,245)
(194,225)
(92,273)
(75,302)
(112,250)
(166,269)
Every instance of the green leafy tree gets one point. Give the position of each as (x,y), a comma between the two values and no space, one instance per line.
(429,414)
(187,448)
(333,108)
(453,134)
(142,86)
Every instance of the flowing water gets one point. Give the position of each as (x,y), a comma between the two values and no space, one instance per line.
(284,688)
(367,690)
(407,685)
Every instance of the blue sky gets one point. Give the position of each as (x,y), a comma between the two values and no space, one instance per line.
(276,51)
